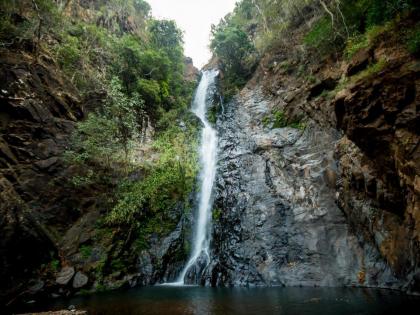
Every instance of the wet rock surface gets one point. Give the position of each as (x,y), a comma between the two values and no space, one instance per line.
(166,257)
(336,204)
(277,221)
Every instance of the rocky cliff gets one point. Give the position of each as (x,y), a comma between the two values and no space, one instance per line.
(318,175)
(38,112)
(278,223)
(54,241)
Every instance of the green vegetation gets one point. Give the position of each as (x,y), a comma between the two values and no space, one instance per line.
(166,181)
(141,242)
(15,29)
(367,39)
(109,134)
(81,181)
(372,69)
(159,224)
(146,59)
(380,11)
(413,41)
(321,36)
(136,144)
(55,265)
(212,112)
(354,25)
(236,53)
(258,27)
(277,119)
(86,251)
(99,270)
(345,81)
(298,125)
(117,265)
(216,214)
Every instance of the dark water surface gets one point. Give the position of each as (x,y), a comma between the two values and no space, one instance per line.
(199,300)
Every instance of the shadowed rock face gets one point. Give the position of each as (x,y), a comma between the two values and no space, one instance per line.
(379,162)
(279,224)
(37,115)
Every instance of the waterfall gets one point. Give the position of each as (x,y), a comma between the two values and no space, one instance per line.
(208,151)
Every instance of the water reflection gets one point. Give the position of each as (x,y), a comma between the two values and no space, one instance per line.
(198,300)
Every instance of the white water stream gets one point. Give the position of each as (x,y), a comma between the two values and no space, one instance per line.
(208,153)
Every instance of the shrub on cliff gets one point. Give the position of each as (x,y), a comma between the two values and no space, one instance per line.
(107,135)
(413,41)
(236,53)
(166,181)
(354,23)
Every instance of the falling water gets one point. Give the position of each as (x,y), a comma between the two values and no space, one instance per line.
(208,148)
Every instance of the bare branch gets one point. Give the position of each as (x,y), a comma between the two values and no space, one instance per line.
(262,15)
(328,11)
(39,29)
(342,17)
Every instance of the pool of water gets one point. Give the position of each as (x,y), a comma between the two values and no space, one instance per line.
(199,300)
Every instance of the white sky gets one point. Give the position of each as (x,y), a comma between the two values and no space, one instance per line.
(194,17)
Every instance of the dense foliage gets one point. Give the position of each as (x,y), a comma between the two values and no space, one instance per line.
(114,51)
(166,182)
(352,22)
(257,27)
(232,45)
(108,135)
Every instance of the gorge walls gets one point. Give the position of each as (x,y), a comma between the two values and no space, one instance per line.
(318,181)
(278,221)
(318,166)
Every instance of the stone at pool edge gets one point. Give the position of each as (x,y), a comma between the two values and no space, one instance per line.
(80,280)
(65,275)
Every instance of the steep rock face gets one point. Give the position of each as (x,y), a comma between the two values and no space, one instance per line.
(37,114)
(122,261)
(191,73)
(104,14)
(277,222)
(47,224)
(380,163)
(337,204)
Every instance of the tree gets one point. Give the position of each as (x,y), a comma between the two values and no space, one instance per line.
(142,7)
(233,47)
(167,37)
(108,132)
(124,111)
(26,20)
(150,91)
(165,34)
(155,65)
